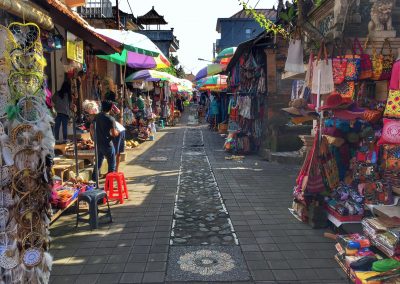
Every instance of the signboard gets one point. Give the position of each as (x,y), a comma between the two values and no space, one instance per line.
(75,49)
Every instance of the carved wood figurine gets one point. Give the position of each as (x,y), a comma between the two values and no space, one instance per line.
(381,16)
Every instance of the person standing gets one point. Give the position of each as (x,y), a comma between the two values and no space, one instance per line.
(119,144)
(106,130)
(62,102)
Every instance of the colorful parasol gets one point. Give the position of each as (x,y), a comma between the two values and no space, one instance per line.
(225,53)
(214,83)
(139,51)
(209,70)
(151,75)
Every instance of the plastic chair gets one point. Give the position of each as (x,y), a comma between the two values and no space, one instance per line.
(121,191)
(92,197)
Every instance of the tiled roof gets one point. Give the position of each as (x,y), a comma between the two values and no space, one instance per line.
(152,17)
(268,13)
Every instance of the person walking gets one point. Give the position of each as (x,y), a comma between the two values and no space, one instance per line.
(106,130)
(62,102)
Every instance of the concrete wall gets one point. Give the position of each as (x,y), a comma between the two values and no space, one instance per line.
(233,31)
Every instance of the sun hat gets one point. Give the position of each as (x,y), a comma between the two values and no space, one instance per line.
(333,101)
(299,107)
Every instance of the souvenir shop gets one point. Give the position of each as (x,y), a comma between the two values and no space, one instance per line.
(351,172)
(246,103)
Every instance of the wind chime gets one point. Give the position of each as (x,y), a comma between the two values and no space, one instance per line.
(26,142)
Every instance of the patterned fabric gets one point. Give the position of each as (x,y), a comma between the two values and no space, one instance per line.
(393,104)
(365,64)
(346,90)
(377,64)
(391,158)
(390,132)
(339,65)
(353,67)
(387,62)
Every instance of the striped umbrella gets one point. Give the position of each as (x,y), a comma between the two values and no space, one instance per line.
(151,75)
(225,53)
(209,70)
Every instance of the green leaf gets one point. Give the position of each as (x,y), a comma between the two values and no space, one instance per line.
(291,12)
(284,17)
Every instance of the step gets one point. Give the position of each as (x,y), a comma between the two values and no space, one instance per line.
(290,158)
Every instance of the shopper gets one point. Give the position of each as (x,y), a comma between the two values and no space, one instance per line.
(119,144)
(62,102)
(106,129)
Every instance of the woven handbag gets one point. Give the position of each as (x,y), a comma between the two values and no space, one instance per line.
(365,64)
(387,61)
(346,90)
(339,65)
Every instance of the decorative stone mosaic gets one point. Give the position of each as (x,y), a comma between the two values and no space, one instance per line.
(200,216)
(198,263)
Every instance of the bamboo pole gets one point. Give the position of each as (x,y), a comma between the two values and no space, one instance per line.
(28,11)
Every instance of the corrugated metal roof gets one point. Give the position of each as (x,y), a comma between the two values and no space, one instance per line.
(84,31)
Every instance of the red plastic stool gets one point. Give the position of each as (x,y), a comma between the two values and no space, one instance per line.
(121,191)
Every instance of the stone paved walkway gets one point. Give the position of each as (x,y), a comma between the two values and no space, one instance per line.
(138,247)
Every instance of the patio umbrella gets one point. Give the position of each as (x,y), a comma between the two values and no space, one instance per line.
(209,70)
(225,53)
(213,83)
(150,75)
(138,50)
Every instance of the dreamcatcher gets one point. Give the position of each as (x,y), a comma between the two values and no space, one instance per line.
(24,207)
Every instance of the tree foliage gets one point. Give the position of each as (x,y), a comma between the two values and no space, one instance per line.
(174,69)
(265,23)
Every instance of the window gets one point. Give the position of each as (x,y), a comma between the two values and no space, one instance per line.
(248,33)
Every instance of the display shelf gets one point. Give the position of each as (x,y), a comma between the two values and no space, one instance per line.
(346,270)
(339,223)
(59,212)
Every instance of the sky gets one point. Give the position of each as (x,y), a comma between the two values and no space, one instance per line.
(194,23)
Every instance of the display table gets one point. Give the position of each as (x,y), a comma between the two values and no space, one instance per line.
(64,165)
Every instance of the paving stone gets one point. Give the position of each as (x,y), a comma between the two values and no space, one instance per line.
(284,275)
(113,268)
(138,257)
(109,278)
(262,275)
(156,266)
(306,274)
(87,279)
(131,278)
(278,264)
(153,277)
(257,264)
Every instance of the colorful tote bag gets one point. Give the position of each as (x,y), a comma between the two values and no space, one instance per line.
(377,64)
(365,63)
(387,62)
(339,65)
(346,90)
(393,104)
(353,67)
(322,76)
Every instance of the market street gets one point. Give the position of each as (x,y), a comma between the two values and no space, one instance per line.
(138,246)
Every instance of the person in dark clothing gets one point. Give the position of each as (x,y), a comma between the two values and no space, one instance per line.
(62,101)
(179,104)
(106,130)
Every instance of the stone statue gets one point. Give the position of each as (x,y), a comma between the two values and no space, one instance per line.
(381,15)
(339,11)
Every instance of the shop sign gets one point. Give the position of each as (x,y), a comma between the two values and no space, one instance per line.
(75,48)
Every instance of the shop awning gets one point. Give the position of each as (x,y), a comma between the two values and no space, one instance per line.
(67,18)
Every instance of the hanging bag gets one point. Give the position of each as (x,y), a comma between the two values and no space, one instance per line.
(339,65)
(392,108)
(387,61)
(353,67)
(365,63)
(377,64)
(294,61)
(323,66)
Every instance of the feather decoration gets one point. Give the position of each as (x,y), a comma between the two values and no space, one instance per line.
(12,112)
